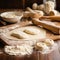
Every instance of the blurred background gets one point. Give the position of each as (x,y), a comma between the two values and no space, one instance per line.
(12,4)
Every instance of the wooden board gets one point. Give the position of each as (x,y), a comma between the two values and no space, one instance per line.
(11,27)
(4,56)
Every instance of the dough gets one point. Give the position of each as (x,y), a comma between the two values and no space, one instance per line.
(34,6)
(49,42)
(49,6)
(18,37)
(41,47)
(35,32)
(28,31)
(45,46)
(19,34)
(31,31)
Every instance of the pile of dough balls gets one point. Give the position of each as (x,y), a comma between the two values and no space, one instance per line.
(24,49)
(44,46)
(48,8)
(35,6)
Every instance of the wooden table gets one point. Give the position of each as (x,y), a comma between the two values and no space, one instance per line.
(2,45)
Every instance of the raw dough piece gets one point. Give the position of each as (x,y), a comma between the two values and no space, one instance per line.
(45,45)
(30,31)
(19,34)
(41,47)
(49,42)
(34,6)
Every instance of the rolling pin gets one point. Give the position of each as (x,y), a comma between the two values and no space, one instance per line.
(54,13)
(47,25)
(36,15)
(53,18)
(13,26)
(30,10)
(33,13)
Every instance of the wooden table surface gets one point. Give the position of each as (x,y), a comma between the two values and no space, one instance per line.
(2,45)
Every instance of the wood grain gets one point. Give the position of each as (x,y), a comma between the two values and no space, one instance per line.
(47,25)
(13,42)
(4,56)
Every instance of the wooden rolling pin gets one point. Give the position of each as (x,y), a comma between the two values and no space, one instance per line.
(53,18)
(33,13)
(36,15)
(13,26)
(30,10)
(48,25)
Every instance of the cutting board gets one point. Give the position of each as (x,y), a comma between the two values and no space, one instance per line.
(21,24)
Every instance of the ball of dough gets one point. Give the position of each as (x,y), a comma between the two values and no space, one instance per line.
(41,7)
(41,46)
(49,42)
(34,6)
